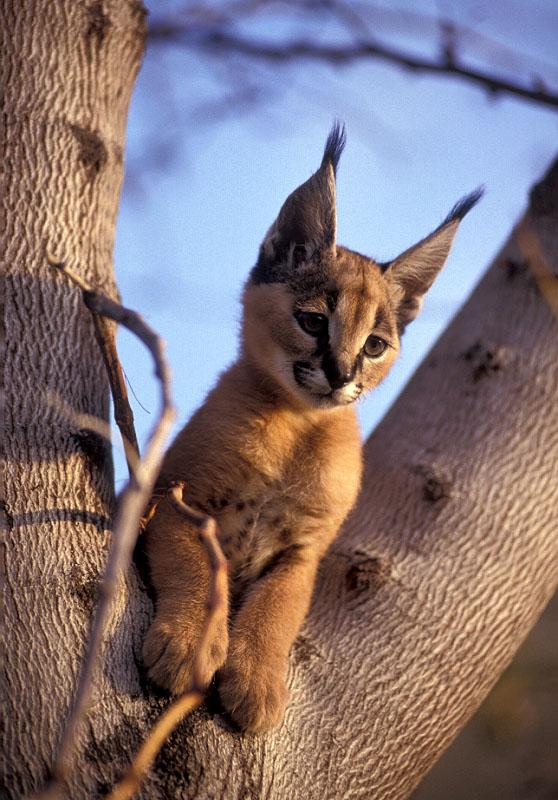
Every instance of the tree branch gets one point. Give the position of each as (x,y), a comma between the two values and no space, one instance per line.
(133,501)
(123,414)
(221,41)
(104,333)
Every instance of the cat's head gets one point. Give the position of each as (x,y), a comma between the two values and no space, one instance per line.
(323,321)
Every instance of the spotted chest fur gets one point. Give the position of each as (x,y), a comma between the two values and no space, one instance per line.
(254,532)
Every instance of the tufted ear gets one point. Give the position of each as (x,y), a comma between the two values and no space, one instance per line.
(412,273)
(306,224)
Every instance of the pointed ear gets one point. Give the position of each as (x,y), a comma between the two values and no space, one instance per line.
(307,221)
(412,273)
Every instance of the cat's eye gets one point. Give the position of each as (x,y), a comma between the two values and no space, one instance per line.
(374,346)
(310,322)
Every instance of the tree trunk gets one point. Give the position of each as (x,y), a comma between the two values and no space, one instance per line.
(438,576)
(68,69)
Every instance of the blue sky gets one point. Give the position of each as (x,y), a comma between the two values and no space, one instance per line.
(200,193)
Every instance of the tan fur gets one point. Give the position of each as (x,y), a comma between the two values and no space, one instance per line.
(274,458)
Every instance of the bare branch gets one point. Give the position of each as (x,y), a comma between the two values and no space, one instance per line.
(104,332)
(222,41)
(133,501)
(160,732)
(123,414)
(207,530)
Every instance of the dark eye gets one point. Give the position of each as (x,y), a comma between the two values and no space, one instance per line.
(374,347)
(311,323)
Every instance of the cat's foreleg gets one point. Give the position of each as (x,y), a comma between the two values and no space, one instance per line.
(252,682)
(180,573)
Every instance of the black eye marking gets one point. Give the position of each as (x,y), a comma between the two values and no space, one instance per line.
(374,346)
(311,323)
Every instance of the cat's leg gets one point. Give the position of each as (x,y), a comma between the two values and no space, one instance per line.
(252,682)
(180,573)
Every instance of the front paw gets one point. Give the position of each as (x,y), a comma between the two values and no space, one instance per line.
(253,690)
(170,652)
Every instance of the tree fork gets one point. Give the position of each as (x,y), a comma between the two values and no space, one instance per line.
(438,576)
(441,571)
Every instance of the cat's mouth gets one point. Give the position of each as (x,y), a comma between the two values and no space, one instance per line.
(315,384)
(334,398)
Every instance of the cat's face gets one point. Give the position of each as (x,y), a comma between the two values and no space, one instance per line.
(328,334)
(322,321)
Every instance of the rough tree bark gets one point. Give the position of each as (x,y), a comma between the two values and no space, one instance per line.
(67,69)
(441,571)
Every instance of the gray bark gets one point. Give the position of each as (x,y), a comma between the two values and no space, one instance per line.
(67,70)
(441,571)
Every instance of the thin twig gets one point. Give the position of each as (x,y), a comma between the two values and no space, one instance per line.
(158,735)
(221,41)
(104,333)
(123,414)
(133,501)
(187,702)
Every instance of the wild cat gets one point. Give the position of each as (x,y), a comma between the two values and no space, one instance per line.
(274,453)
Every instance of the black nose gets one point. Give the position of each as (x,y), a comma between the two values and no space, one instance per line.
(336,375)
(340,379)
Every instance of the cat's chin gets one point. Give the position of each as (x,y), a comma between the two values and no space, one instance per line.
(326,400)
(333,401)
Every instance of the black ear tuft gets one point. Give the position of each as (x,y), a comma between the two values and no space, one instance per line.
(412,273)
(463,206)
(305,228)
(335,145)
